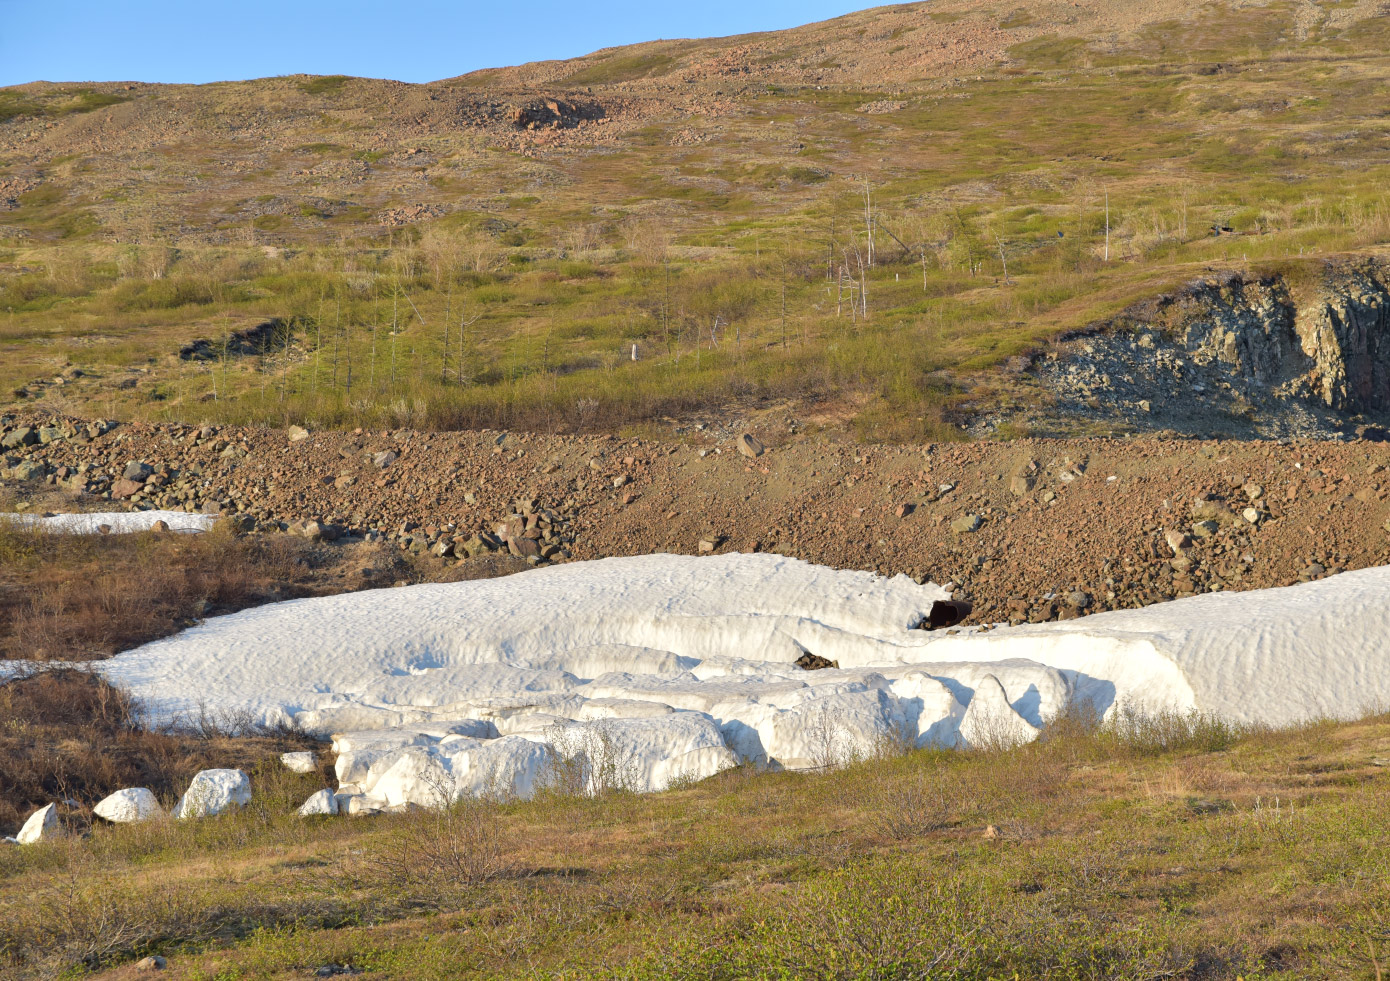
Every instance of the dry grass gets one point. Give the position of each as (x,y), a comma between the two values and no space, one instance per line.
(882,869)
(77,597)
(68,735)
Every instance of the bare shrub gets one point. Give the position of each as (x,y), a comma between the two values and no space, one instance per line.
(463,843)
(588,762)
(909,806)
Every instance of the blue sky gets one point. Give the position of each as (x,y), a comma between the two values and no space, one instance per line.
(212,40)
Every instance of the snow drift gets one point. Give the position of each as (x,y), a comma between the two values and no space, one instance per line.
(117,522)
(642,671)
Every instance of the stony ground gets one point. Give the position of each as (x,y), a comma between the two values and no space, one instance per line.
(1029,530)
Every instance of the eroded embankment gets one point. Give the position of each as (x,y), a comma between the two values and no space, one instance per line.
(1303,352)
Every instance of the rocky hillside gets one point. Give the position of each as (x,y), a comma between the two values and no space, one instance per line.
(1029,530)
(1299,353)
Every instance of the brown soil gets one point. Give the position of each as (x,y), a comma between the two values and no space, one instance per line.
(1092,515)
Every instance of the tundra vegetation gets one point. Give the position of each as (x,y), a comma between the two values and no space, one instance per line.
(878,251)
(1172,847)
(885,256)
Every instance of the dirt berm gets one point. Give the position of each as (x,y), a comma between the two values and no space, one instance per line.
(1032,529)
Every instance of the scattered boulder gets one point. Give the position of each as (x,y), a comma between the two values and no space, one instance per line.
(43,823)
(138,471)
(966,524)
(297,433)
(1021,484)
(749,446)
(129,806)
(23,436)
(212,792)
(1177,541)
(123,488)
(151,963)
(814,662)
(1205,529)
(384,459)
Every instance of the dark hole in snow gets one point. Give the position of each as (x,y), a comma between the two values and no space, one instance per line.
(945,613)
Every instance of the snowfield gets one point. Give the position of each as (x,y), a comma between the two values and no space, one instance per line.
(119,522)
(638,672)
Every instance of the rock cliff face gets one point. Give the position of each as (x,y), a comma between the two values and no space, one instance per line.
(1236,356)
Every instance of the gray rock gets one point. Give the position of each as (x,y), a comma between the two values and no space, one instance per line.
(138,471)
(129,806)
(152,963)
(1078,599)
(966,524)
(384,459)
(1177,541)
(1205,529)
(322,802)
(525,548)
(1021,484)
(749,446)
(23,436)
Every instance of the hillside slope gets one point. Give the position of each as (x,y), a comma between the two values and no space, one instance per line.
(1030,168)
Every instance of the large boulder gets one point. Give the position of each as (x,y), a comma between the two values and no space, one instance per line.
(129,806)
(212,792)
(43,823)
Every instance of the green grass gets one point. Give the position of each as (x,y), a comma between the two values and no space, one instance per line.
(620,69)
(324,84)
(1178,847)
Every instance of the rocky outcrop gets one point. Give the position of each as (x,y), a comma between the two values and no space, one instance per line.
(1272,355)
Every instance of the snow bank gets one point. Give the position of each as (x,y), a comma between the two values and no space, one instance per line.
(642,671)
(119,522)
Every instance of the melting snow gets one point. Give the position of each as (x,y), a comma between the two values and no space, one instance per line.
(638,672)
(119,522)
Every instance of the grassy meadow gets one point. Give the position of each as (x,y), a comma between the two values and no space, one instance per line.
(1168,848)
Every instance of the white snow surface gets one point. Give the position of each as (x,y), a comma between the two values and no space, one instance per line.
(120,522)
(128,806)
(642,671)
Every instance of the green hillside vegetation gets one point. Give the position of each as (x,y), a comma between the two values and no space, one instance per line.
(736,263)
